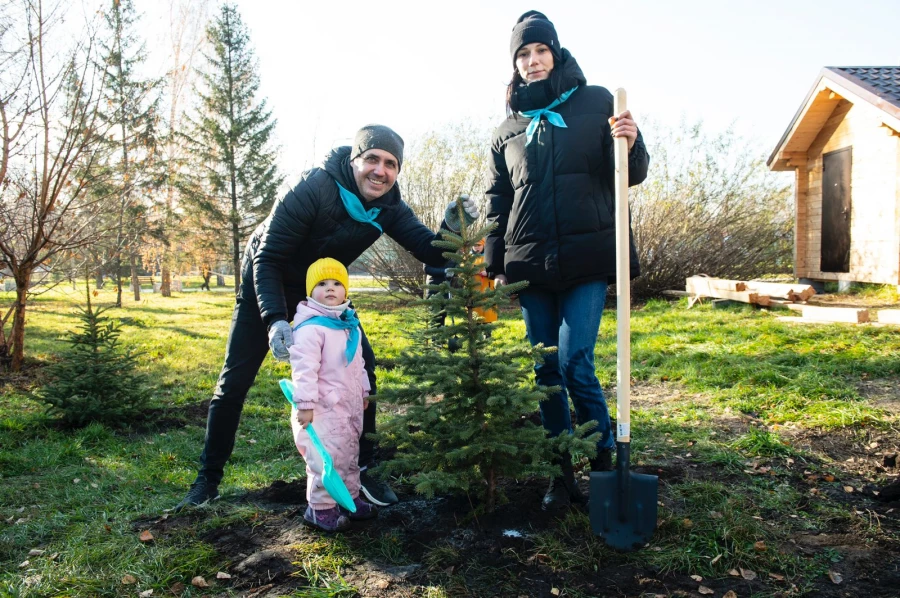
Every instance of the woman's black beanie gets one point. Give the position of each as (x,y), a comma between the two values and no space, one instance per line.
(534,26)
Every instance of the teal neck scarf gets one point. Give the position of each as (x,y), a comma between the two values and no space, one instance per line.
(348,321)
(552,117)
(354,207)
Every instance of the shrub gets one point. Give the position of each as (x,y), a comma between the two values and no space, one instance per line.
(709,206)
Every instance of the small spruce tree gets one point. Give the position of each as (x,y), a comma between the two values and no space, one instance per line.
(462,424)
(96,378)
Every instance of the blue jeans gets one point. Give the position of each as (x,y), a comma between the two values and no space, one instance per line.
(570,321)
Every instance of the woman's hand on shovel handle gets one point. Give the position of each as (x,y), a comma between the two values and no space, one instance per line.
(304,417)
(623,126)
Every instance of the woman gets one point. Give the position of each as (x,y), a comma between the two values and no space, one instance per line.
(551,194)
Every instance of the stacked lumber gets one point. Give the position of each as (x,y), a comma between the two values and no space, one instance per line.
(699,287)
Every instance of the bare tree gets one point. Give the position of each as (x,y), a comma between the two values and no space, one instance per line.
(436,169)
(50,129)
(169,245)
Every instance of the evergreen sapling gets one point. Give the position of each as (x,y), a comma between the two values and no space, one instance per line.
(96,378)
(463,423)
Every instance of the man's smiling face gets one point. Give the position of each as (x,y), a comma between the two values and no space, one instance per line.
(375,172)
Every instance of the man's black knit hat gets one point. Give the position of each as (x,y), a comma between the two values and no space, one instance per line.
(533,27)
(378,137)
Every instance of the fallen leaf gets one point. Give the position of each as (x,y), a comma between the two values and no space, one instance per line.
(705,590)
(748,574)
(146,594)
(716,560)
(734,573)
(729,594)
(199,582)
(93,485)
(828,478)
(177,588)
(252,441)
(24,564)
(848,489)
(53,556)
(776,576)
(696,578)
(789,461)
(554,591)
(835,577)
(36,552)
(129,579)
(760,546)
(146,536)
(222,575)
(76,481)
(715,515)
(688,523)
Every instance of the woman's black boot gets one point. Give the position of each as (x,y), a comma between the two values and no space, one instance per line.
(563,490)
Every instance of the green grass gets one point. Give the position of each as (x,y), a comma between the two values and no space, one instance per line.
(81,494)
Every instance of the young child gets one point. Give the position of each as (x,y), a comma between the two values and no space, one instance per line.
(330,390)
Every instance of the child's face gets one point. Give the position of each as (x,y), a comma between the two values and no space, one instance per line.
(329,292)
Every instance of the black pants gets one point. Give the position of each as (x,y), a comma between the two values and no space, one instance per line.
(248,345)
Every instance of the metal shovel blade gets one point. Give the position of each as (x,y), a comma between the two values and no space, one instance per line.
(623,504)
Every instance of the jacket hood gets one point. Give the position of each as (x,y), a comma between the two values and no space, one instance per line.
(337,165)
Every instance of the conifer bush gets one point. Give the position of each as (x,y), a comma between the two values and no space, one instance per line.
(463,423)
(96,379)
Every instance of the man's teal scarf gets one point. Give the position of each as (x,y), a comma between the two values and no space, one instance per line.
(552,117)
(348,321)
(354,207)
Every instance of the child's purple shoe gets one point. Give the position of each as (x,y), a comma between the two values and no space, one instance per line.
(327,520)
(364,510)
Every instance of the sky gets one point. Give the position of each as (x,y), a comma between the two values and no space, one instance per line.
(329,67)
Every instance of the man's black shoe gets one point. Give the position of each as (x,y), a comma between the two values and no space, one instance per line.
(563,490)
(201,493)
(376,491)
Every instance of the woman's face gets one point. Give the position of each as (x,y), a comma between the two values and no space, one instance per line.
(534,62)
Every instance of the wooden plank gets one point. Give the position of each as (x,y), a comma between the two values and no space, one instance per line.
(673,293)
(785,304)
(850,315)
(889,316)
(792,291)
(722,284)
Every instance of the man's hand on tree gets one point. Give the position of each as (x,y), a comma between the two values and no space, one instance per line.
(451,214)
(280,340)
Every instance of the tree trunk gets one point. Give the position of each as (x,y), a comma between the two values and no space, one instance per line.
(17,335)
(98,278)
(135,282)
(117,264)
(165,286)
(220,280)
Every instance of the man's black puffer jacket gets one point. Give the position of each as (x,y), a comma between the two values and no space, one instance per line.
(553,199)
(310,222)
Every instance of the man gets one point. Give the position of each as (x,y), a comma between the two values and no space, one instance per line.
(337,210)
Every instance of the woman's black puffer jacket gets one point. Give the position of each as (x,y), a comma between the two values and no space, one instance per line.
(553,199)
(310,222)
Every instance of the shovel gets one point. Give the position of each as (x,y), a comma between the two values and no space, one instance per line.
(623,503)
(332,481)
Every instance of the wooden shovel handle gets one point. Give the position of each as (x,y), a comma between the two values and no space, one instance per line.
(623,284)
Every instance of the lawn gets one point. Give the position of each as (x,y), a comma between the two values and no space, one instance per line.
(771,441)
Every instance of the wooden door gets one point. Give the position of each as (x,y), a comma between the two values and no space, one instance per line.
(836,210)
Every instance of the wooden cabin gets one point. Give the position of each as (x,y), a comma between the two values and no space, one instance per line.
(844,148)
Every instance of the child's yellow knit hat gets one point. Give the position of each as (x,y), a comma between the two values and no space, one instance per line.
(326,268)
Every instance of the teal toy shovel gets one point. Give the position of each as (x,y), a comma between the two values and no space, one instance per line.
(333,483)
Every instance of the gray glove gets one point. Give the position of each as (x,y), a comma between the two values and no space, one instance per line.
(280,338)
(451,215)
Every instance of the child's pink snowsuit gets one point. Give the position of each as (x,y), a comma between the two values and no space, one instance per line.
(335,392)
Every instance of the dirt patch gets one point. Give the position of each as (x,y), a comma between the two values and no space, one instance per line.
(521,550)
(173,417)
(852,300)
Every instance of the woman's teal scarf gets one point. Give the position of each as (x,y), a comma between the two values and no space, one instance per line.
(552,117)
